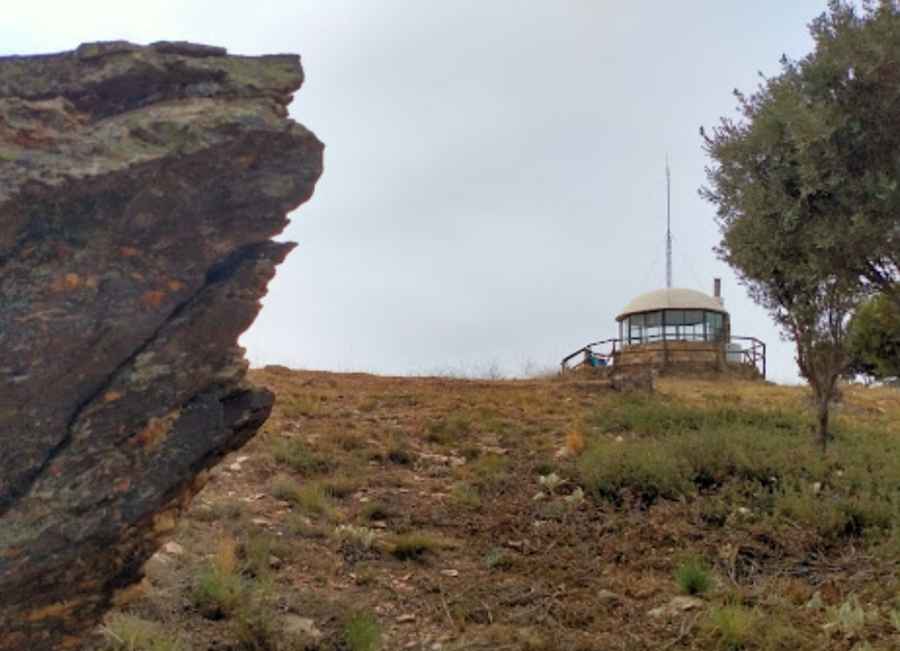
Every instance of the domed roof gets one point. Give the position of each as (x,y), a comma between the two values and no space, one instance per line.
(672,299)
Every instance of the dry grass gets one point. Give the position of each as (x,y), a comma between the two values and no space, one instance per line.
(350,506)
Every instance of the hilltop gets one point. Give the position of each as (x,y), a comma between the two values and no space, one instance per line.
(547,514)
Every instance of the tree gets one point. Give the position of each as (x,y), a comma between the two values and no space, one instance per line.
(854,76)
(874,341)
(785,183)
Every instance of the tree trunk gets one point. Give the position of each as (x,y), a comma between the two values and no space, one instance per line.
(822,420)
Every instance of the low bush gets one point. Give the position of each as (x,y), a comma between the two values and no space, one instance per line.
(734,627)
(465,495)
(412,546)
(648,468)
(362,632)
(678,451)
(125,632)
(693,576)
(450,430)
(375,511)
(218,586)
(296,455)
(490,472)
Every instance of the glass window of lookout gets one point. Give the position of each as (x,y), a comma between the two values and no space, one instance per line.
(674,314)
(673,325)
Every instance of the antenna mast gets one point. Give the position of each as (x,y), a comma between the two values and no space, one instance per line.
(668,228)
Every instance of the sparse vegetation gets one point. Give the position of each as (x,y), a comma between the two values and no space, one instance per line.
(362,632)
(218,587)
(693,576)
(465,495)
(450,430)
(703,483)
(734,627)
(126,632)
(412,546)
(296,455)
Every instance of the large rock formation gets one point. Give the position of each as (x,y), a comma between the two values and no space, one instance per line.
(140,188)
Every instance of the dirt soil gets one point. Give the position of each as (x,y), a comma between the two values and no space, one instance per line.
(429,519)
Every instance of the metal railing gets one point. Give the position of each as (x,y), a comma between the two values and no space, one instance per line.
(603,353)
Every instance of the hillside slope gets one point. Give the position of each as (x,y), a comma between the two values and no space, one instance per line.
(435,513)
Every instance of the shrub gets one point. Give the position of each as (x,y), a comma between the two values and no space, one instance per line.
(124,632)
(850,618)
(449,430)
(218,587)
(375,511)
(490,472)
(399,451)
(349,441)
(255,623)
(342,486)
(296,455)
(311,497)
(361,537)
(412,546)
(646,467)
(575,442)
(362,632)
(295,406)
(498,558)
(285,488)
(734,627)
(466,496)
(693,576)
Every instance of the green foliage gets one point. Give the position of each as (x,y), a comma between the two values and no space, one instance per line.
(362,632)
(750,457)
(693,576)
(807,189)
(874,339)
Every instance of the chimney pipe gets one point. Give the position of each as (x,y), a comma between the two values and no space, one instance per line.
(717,290)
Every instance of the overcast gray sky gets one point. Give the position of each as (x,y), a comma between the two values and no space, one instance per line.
(494,188)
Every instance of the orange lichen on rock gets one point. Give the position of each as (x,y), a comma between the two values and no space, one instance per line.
(55,611)
(153,299)
(156,430)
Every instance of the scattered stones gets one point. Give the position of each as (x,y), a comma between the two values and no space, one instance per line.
(406,618)
(296,625)
(173,548)
(676,606)
(607,597)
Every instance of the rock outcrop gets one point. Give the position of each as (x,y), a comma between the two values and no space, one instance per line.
(140,188)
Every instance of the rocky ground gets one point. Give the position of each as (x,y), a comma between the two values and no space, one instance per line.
(436,513)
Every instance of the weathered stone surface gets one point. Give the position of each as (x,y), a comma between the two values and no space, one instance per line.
(140,188)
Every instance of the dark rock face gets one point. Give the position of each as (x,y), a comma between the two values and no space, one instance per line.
(140,188)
